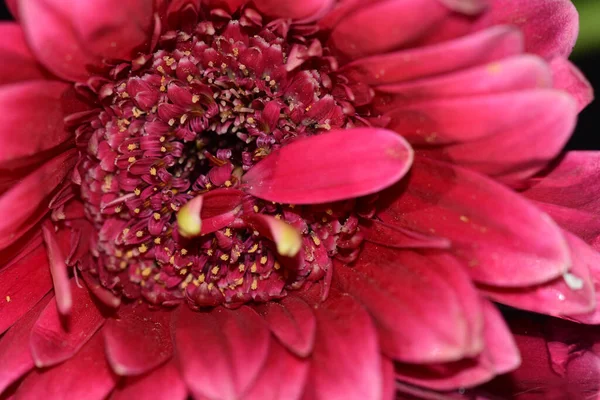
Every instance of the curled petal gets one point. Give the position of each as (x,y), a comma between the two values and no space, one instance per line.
(306,171)
(567,77)
(58,267)
(189,222)
(287,239)
(293,8)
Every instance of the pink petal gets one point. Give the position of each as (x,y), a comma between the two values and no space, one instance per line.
(138,339)
(164,383)
(500,356)
(466,6)
(234,349)
(502,238)
(566,296)
(346,363)
(292,8)
(514,153)
(19,64)
(22,284)
(282,378)
(85,376)
(53,340)
(293,322)
(550,26)
(100,292)
(32,121)
(13,7)
(398,24)
(569,193)
(475,49)
(288,239)
(216,210)
(70,38)
(306,171)
(15,356)
(378,232)
(21,202)
(511,74)
(58,268)
(567,77)
(425,310)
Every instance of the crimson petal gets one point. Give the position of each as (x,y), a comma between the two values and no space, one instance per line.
(346,363)
(235,346)
(504,240)
(306,171)
(52,342)
(292,8)
(567,77)
(161,384)
(85,376)
(18,64)
(293,322)
(138,339)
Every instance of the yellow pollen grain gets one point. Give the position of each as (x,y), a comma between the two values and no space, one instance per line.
(228,183)
(201,278)
(143,248)
(277,216)
(125,231)
(183,118)
(263,260)
(146,272)
(224,257)
(239,281)
(254,285)
(189,78)
(137,211)
(208,185)
(153,171)
(214,270)
(8,299)
(236,51)
(172,260)
(315,239)
(137,191)
(163,149)
(329,211)
(118,209)
(118,253)
(129,254)
(157,240)
(122,86)
(272,82)
(183,252)
(160,69)
(253,268)
(137,112)
(174,207)
(228,232)
(169,61)
(255,208)
(162,139)
(131,159)
(131,146)
(464,218)
(253,248)
(211,286)
(139,234)
(171,122)
(276,265)
(209,252)
(123,264)
(195,98)
(250,120)
(156,216)
(183,271)
(223,65)
(241,267)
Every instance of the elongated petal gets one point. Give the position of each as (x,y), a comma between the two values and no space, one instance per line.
(15,356)
(292,322)
(366,160)
(71,37)
(163,383)
(346,363)
(513,154)
(424,311)
(512,74)
(502,238)
(466,6)
(550,26)
(23,284)
(398,23)
(189,223)
(138,340)
(209,212)
(85,376)
(235,345)
(32,121)
(567,77)
(58,268)
(569,295)
(394,236)
(20,202)
(478,48)
(287,239)
(18,62)
(52,342)
(291,8)
(500,356)
(272,384)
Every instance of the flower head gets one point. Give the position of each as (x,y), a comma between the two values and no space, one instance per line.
(334,189)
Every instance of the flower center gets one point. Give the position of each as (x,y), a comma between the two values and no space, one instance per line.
(190,120)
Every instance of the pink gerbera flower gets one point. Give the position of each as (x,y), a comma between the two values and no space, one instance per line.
(285,199)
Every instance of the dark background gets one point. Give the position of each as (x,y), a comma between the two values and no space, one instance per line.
(585,137)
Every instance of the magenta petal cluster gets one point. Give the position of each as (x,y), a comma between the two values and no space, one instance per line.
(277,199)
